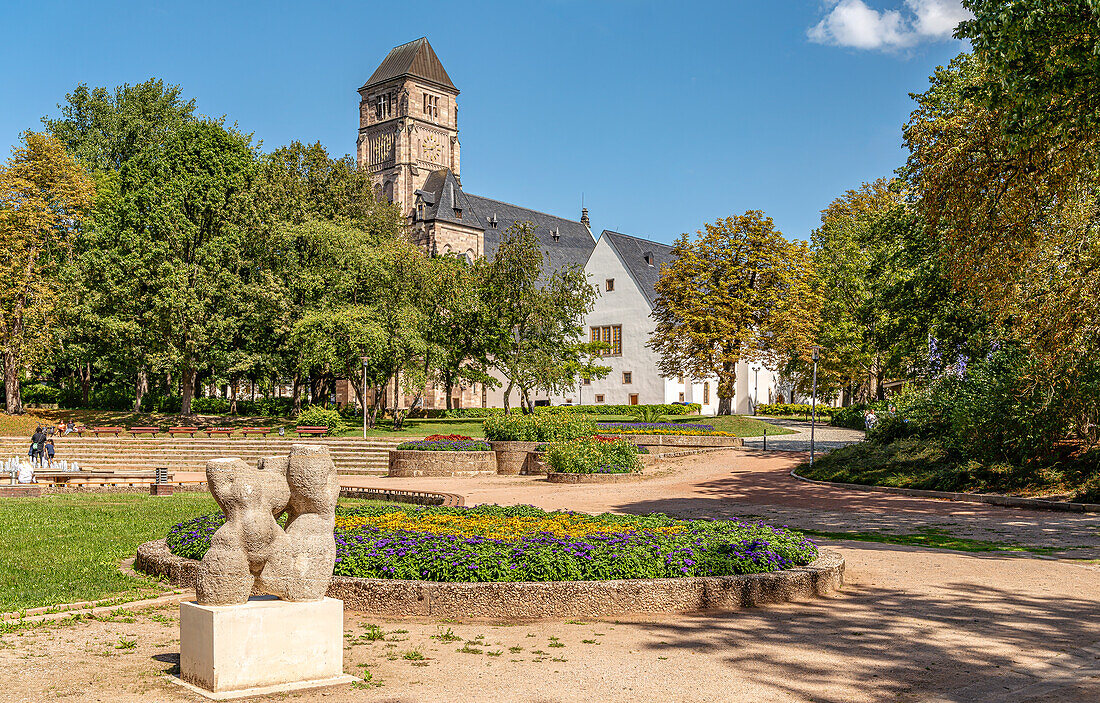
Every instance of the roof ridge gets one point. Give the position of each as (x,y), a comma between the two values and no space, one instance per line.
(639,239)
(540,212)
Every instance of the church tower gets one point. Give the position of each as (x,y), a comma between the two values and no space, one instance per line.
(408,123)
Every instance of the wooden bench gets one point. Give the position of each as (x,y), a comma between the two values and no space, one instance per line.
(79,429)
(304,430)
(265,431)
(183,430)
(116,431)
(211,431)
(135,431)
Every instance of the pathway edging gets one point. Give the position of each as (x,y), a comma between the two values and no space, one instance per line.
(990,498)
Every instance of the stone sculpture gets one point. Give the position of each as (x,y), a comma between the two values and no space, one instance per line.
(251,553)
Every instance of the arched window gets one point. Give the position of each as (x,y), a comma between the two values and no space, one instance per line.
(388,194)
(469,256)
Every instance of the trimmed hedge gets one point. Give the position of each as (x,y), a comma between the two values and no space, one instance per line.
(788,409)
(317,416)
(659,408)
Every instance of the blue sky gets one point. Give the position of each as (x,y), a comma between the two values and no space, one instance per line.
(664,115)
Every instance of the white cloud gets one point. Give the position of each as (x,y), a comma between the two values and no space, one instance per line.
(853,23)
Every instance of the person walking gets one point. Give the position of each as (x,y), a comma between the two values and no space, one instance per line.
(49,453)
(37,440)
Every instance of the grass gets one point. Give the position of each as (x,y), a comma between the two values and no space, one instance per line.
(739,425)
(930,537)
(926,464)
(67,548)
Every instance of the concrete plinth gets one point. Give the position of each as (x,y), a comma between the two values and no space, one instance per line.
(266,645)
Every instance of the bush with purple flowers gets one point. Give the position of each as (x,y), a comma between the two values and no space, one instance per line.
(523,543)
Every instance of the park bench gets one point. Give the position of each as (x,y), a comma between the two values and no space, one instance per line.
(304,430)
(80,430)
(183,430)
(116,431)
(265,431)
(211,431)
(135,431)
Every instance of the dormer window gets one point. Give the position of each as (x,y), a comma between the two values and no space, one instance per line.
(609,284)
(493,220)
(554,234)
(420,211)
(458,213)
(649,258)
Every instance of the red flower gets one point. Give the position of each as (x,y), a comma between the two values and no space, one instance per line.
(447,438)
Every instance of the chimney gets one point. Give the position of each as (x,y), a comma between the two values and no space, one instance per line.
(584,218)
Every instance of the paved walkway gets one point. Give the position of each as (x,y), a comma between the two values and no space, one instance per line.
(826,437)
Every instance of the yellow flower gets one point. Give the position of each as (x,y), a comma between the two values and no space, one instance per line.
(494,527)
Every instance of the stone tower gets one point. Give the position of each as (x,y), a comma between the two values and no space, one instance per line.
(408,123)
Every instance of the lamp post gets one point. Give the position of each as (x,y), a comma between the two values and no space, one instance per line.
(813,406)
(755,388)
(364,360)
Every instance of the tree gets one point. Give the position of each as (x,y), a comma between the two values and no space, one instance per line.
(739,291)
(108,316)
(44,194)
(539,316)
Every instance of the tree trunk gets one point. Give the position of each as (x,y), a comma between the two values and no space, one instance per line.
(12,396)
(187,389)
(507,396)
(296,393)
(448,388)
(727,387)
(233,396)
(141,386)
(85,384)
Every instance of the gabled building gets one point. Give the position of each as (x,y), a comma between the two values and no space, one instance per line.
(408,141)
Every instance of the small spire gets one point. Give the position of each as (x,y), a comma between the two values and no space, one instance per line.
(584,218)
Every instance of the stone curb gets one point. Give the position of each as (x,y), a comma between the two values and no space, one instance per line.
(451,500)
(555,477)
(988,498)
(552,599)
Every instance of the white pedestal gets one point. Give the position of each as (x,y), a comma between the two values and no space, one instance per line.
(266,645)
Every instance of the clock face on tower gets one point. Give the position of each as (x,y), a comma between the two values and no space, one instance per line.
(431,149)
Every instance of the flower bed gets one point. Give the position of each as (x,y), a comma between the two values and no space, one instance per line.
(594,455)
(522,543)
(446,443)
(664,428)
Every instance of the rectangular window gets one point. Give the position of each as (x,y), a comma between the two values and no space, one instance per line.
(681,397)
(588,381)
(706,394)
(383,105)
(627,377)
(431,106)
(610,284)
(599,398)
(611,335)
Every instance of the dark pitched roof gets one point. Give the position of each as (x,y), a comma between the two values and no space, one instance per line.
(413,59)
(633,251)
(572,245)
(442,196)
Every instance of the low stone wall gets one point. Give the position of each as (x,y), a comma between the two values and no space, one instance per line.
(550,599)
(396,496)
(20,490)
(538,466)
(512,456)
(673,440)
(411,462)
(555,477)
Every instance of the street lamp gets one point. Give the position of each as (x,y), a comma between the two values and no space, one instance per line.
(364,359)
(755,387)
(813,406)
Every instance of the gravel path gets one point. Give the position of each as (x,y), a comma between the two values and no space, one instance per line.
(911,625)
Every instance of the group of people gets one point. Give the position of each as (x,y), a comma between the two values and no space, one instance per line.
(42,449)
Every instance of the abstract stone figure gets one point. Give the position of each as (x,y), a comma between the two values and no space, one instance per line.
(251,552)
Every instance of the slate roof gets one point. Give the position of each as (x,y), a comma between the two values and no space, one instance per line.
(442,195)
(413,59)
(573,245)
(632,251)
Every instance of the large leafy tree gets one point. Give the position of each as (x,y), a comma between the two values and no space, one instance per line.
(540,314)
(739,291)
(44,195)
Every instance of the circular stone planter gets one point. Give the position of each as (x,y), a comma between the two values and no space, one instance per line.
(550,599)
(512,456)
(555,477)
(411,462)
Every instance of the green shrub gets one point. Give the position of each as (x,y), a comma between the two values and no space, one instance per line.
(538,427)
(633,410)
(854,416)
(800,409)
(211,406)
(40,393)
(594,455)
(318,416)
(471,412)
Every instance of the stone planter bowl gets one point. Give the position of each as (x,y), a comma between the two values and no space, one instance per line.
(411,462)
(512,456)
(555,477)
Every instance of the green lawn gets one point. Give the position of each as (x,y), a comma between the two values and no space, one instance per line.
(739,425)
(67,548)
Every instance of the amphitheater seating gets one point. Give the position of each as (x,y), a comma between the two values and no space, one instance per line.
(135,431)
(116,431)
(264,431)
(227,431)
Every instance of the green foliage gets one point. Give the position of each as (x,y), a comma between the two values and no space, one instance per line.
(210,406)
(538,427)
(40,393)
(472,412)
(317,416)
(854,416)
(802,409)
(628,410)
(592,455)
